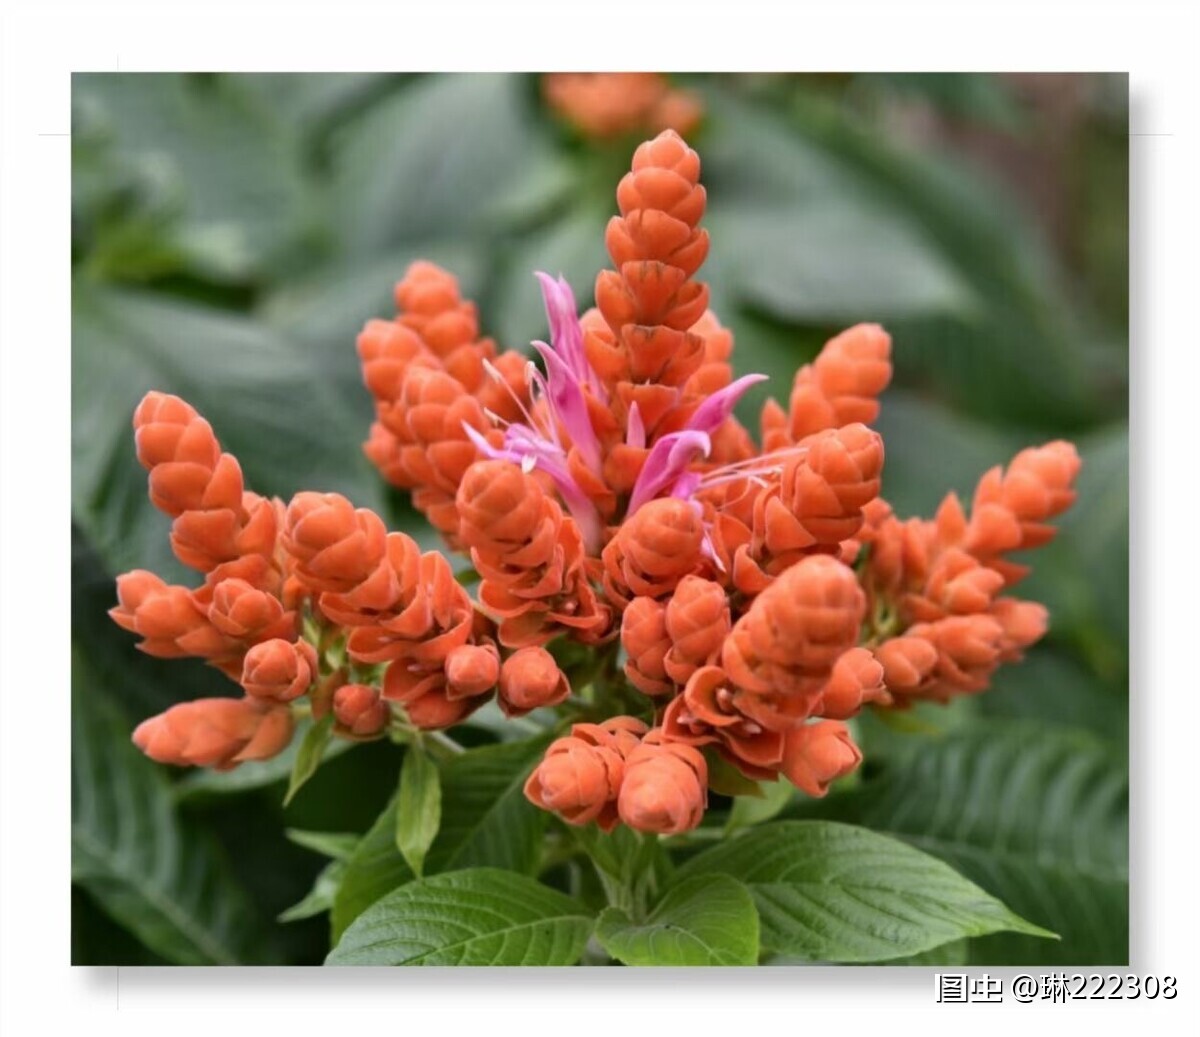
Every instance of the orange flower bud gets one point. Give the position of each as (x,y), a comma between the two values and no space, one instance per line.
(279,670)
(782,651)
(580,776)
(697,622)
(649,301)
(472,669)
(199,486)
(219,733)
(968,652)
(334,546)
(957,585)
(1024,623)
(664,789)
(816,755)
(243,612)
(842,385)
(907,662)
(1011,507)
(359,711)
(607,104)
(429,302)
(531,678)
(654,549)
(857,679)
(387,349)
(644,638)
(823,491)
(504,517)
(168,619)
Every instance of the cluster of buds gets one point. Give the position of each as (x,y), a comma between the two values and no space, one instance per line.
(740,602)
(605,105)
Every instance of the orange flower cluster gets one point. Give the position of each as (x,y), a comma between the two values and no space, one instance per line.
(744,602)
(428,371)
(940,625)
(611,104)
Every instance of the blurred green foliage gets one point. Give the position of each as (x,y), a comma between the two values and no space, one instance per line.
(233,232)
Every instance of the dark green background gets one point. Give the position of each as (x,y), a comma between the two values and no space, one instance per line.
(233,232)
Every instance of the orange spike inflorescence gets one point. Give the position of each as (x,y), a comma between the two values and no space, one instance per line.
(689,601)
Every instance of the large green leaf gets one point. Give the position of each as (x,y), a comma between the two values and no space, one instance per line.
(150,870)
(705,920)
(1038,816)
(837,893)
(287,428)
(432,159)
(233,191)
(830,260)
(482,916)
(486,821)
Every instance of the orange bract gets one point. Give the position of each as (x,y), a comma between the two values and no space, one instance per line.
(218,733)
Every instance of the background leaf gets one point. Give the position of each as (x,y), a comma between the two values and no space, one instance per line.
(706,920)
(836,893)
(482,916)
(151,872)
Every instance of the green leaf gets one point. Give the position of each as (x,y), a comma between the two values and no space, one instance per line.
(705,920)
(1055,687)
(481,916)
(308,758)
(373,869)
(320,898)
(264,398)
(486,819)
(774,796)
(431,160)
(226,186)
(1036,815)
(832,259)
(154,873)
(835,893)
(337,846)
(418,807)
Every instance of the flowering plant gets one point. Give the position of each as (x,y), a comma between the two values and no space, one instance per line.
(674,628)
